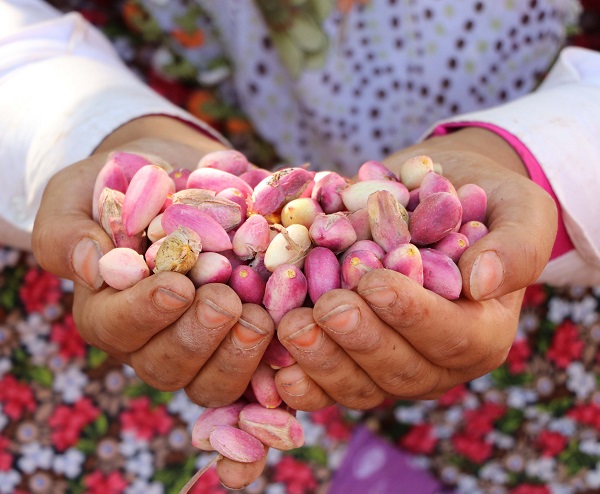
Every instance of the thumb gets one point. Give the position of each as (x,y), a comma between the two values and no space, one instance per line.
(522,222)
(66,241)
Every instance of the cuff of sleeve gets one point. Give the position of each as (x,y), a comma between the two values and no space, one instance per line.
(562,244)
(52,125)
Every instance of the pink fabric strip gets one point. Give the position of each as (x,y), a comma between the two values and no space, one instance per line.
(563,243)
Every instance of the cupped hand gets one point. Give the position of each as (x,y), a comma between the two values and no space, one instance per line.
(173,335)
(395,339)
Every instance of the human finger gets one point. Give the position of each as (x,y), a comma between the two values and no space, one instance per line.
(382,352)
(234,361)
(326,363)
(460,334)
(299,391)
(65,240)
(236,475)
(522,227)
(171,359)
(124,321)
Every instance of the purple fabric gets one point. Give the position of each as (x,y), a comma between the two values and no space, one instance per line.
(374,466)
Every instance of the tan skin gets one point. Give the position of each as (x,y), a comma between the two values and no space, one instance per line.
(419,346)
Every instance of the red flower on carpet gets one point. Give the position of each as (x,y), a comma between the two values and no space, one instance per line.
(588,414)
(6,457)
(16,397)
(297,476)
(552,443)
(419,439)
(481,420)
(209,483)
(144,421)
(66,423)
(333,420)
(518,356)
(99,483)
(535,295)
(69,341)
(39,290)
(472,447)
(530,489)
(566,345)
(453,396)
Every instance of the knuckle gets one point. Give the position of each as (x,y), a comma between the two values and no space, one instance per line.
(411,380)
(452,350)
(363,398)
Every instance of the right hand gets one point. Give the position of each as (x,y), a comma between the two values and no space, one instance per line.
(171,334)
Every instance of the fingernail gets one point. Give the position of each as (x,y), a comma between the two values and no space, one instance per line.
(84,262)
(296,382)
(211,315)
(342,319)
(168,301)
(487,274)
(246,336)
(380,298)
(308,339)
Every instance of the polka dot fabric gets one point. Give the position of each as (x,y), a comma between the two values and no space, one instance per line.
(392,68)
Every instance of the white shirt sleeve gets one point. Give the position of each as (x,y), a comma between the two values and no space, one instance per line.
(560,125)
(63,89)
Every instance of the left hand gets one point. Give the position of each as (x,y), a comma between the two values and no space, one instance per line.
(395,339)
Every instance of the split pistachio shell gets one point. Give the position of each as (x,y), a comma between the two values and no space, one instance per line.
(234,195)
(276,428)
(251,237)
(387,220)
(110,176)
(289,246)
(192,197)
(327,191)
(110,207)
(273,192)
(179,251)
(151,252)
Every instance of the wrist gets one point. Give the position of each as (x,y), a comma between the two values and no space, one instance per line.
(163,128)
